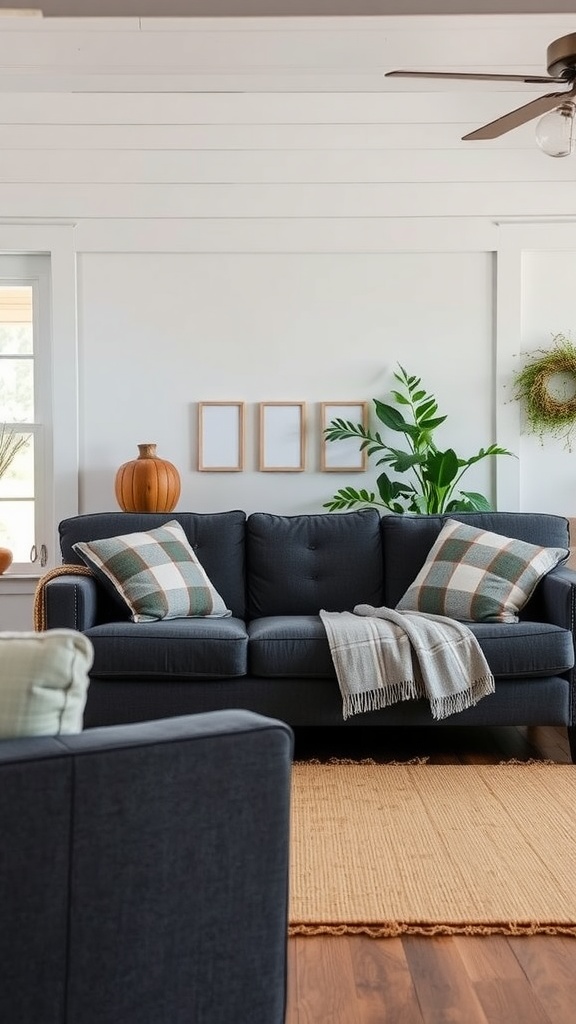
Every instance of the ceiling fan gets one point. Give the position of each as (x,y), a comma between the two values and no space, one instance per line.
(561,64)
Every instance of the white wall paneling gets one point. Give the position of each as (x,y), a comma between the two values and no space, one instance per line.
(288,234)
(537,300)
(398,199)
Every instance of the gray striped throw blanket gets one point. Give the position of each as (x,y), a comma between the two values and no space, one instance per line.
(382,656)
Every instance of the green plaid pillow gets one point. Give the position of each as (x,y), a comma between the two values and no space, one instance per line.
(476,576)
(156,573)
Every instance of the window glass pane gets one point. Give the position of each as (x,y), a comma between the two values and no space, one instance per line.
(17,390)
(17,482)
(17,477)
(26,486)
(15,339)
(15,319)
(17,528)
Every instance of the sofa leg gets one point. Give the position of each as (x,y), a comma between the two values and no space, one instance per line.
(571,730)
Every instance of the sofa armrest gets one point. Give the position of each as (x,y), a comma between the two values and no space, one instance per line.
(70,602)
(156,881)
(557,598)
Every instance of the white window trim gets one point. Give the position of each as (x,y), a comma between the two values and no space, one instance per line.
(56,241)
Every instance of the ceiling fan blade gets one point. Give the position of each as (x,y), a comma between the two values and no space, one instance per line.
(478,77)
(521,115)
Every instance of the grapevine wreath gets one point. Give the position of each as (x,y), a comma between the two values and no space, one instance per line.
(548,412)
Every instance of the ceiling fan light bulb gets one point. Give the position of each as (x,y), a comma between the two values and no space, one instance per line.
(555,131)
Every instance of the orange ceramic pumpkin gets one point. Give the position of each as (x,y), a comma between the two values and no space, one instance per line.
(5,559)
(148,483)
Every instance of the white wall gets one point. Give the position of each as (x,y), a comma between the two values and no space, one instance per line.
(258,214)
(178,329)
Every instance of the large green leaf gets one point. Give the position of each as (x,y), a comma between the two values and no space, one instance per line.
(390,416)
(441,468)
(401,461)
(432,424)
(427,408)
(485,453)
(349,497)
(400,398)
(478,502)
(390,490)
(419,504)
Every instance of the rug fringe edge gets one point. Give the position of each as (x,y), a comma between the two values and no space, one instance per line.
(395,929)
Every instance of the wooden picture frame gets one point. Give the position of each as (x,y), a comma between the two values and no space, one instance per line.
(282,437)
(221,437)
(342,456)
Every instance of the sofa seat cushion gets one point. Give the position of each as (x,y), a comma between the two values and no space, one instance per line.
(525,649)
(173,649)
(294,646)
(289,646)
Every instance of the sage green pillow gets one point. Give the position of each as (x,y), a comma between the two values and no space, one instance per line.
(43,682)
(474,575)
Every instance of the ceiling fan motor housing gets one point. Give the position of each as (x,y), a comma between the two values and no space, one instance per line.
(561,58)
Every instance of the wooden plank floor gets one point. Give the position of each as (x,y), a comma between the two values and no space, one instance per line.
(444,980)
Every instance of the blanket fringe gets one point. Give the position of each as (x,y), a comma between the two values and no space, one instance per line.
(411,689)
(452,703)
(375,700)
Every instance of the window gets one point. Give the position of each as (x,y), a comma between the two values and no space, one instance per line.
(25,405)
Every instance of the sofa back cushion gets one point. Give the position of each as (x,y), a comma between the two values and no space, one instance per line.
(216,538)
(407,540)
(300,564)
(156,572)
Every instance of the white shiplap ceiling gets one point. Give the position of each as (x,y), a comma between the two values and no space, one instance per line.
(282,8)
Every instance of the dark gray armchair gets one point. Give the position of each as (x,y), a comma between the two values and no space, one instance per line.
(144,873)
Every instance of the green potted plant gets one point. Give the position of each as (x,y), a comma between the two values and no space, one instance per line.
(428,478)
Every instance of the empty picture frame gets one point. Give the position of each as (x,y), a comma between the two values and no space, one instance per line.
(282,437)
(345,455)
(220,437)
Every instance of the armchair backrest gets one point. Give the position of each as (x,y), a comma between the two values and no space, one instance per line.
(144,873)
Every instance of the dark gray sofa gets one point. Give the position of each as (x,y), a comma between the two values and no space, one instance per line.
(144,873)
(275,574)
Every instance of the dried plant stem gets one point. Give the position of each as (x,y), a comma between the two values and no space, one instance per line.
(11,443)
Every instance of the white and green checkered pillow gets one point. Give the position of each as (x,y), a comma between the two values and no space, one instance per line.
(476,576)
(156,573)
(43,682)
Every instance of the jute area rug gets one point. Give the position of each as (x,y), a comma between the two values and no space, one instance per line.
(386,850)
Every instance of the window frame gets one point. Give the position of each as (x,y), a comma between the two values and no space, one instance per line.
(57,362)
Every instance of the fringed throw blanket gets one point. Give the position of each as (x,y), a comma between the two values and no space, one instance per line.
(382,656)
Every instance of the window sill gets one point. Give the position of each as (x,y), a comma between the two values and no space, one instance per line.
(18,583)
